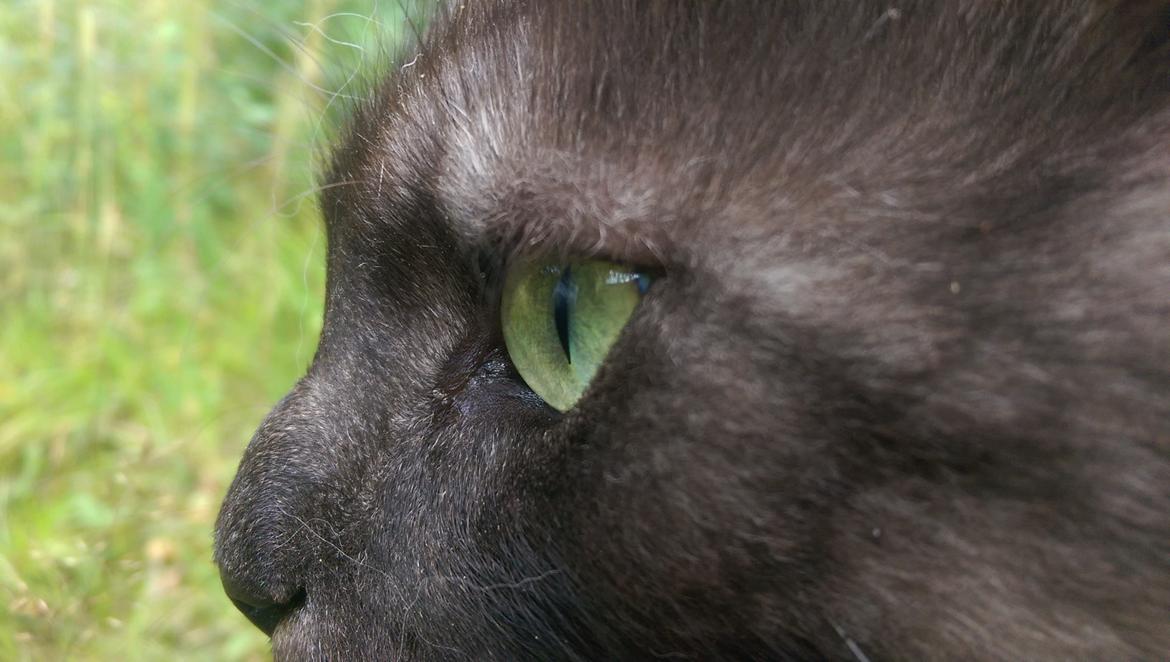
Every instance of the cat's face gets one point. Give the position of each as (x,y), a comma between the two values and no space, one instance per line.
(899,385)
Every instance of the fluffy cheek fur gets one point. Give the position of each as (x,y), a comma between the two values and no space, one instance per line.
(902,389)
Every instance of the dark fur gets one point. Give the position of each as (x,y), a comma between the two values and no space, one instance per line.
(902,392)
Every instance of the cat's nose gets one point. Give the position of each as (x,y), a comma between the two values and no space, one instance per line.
(257,547)
(265,608)
(256,577)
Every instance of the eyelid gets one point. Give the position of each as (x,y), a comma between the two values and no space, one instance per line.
(555,250)
(644,275)
(642,265)
(534,226)
(508,241)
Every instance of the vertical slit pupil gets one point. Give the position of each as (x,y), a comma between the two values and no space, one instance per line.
(564,297)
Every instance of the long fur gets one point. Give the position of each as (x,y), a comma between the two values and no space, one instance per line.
(902,392)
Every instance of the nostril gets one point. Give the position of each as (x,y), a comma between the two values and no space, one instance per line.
(264,612)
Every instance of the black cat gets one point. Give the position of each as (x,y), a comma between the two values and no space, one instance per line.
(735,330)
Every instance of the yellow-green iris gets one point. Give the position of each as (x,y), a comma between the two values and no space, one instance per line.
(560,321)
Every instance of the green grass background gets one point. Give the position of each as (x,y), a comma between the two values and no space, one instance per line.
(161,274)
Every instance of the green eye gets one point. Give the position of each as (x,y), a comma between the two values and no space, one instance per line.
(561,319)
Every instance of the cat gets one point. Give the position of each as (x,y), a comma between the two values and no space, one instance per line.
(899,386)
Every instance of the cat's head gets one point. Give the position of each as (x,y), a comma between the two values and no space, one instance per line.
(874,305)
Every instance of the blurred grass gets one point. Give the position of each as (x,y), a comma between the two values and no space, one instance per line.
(161,273)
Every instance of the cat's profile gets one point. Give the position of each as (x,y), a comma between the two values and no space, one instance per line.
(899,389)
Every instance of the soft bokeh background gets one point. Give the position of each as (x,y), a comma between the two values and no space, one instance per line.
(161,272)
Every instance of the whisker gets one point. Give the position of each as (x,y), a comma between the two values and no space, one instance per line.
(851,645)
(370,20)
(280,208)
(244,34)
(410,23)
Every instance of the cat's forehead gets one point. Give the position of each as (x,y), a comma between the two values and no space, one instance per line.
(543,119)
(637,124)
